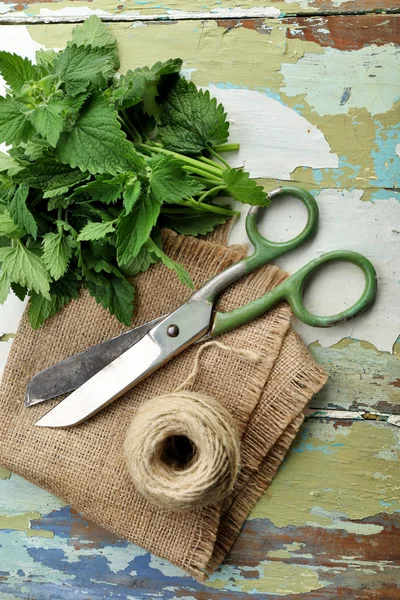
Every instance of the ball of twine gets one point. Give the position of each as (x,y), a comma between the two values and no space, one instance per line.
(182,451)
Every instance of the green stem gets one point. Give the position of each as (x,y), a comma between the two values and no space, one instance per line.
(202,173)
(218,157)
(207,207)
(226,148)
(210,162)
(214,171)
(129,127)
(212,191)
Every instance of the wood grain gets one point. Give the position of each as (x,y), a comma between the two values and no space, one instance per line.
(329,526)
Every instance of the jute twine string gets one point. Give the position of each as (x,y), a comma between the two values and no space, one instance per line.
(182,449)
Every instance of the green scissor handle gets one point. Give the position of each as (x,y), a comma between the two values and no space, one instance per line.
(292,288)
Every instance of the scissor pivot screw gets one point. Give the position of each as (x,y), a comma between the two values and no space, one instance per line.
(173,330)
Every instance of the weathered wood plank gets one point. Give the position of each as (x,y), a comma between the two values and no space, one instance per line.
(326,529)
(55,11)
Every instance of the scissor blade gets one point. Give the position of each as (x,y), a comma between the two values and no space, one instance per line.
(189,322)
(67,375)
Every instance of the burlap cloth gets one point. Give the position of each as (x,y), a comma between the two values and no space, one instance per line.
(84,465)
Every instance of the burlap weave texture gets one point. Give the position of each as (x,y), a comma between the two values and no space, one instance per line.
(84,465)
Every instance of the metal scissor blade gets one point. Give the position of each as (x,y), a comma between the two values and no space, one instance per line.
(186,325)
(67,375)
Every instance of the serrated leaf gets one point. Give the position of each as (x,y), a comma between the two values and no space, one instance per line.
(103,189)
(26,268)
(61,292)
(4,286)
(96,231)
(134,229)
(192,222)
(116,294)
(48,121)
(14,126)
(242,188)
(191,120)
(9,164)
(46,59)
(20,213)
(19,291)
(57,252)
(96,143)
(130,88)
(131,195)
(169,182)
(40,309)
(140,263)
(8,227)
(83,67)
(179,269)
(16,70)
(35,148)
(93,32)
(51,176)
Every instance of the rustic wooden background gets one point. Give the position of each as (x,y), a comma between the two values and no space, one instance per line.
(315,88)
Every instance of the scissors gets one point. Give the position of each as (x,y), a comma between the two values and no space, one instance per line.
(99,375)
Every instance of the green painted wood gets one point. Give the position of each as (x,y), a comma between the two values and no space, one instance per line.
(329,526)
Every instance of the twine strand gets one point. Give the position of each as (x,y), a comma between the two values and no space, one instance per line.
(182,451)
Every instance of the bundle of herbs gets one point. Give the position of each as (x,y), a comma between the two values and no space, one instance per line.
(97,164)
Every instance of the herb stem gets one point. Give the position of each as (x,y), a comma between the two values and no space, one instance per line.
(210,170)
(211,191)
(226,148)
(218,157)
(202,173)
(190,203)
(207,161)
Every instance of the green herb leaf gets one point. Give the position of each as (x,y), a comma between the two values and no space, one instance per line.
(16,70)
(96,143)
(96,231)
(181,272)
(46,59)
(61,292)
(9,164)
(19,291)
(4,286)
(48,121)
(26,268)
(14,126)
(130,89)
(191,120)
(103,189)
(115,294)
(81,67)
(134,229)
(140,263)
(169,182)
(93,32)
(192,222)
(131,195)
(242,188)
(8,227)
(20,212)
(57,252)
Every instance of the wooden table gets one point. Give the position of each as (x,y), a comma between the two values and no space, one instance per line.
(314,90)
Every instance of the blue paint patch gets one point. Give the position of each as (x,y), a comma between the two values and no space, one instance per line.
(384,195)
(339,175)
(386,161)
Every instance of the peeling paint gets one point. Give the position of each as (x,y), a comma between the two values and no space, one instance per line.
(342,477)
(340,70)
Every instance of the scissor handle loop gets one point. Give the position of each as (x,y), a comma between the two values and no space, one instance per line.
(264,249)
(295,285)
(292,290)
